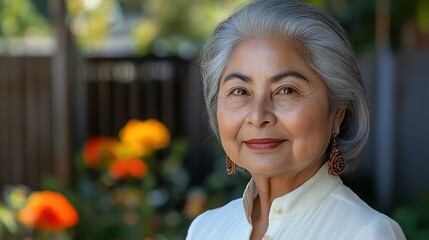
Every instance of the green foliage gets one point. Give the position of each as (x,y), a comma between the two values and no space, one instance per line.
(223,188)
(181,25)
(220,187)
(8,223)
(19,18)
(414,219)
(90,21)
(423,15)
(357,18)
(13,200)
(164,27)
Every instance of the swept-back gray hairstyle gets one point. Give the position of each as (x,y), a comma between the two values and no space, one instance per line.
(322,42)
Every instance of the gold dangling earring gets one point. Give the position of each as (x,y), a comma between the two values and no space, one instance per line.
(230,166)
(337,164)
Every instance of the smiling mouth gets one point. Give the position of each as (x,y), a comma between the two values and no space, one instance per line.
(263,144)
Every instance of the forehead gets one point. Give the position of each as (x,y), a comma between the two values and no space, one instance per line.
(264,57)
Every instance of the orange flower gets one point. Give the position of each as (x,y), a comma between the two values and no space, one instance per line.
(48,211)
(145,136)
(125,151)
(98,151)
(133,166)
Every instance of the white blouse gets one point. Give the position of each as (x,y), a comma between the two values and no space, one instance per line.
(322,208)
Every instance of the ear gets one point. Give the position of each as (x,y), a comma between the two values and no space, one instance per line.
(338,119)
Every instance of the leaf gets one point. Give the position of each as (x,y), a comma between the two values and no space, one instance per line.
(51,183)
(7,220)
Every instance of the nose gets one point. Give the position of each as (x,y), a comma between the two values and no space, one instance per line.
(261,112)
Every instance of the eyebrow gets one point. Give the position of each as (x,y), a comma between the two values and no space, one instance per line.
(275,78)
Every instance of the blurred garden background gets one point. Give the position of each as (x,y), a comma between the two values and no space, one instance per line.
(103,132)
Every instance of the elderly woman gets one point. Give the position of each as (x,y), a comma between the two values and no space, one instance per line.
(287,101)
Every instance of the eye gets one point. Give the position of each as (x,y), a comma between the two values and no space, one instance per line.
(239,92)
(287,90)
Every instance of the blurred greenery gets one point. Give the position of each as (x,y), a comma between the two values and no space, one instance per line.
(414,219)
(90,21)
(220,187)
(179,27)
(358,18)
(20,18)
(163,27)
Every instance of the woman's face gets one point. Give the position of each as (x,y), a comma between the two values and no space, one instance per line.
(273,110)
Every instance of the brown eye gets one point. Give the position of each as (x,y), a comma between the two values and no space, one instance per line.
(239,92)
(287,90)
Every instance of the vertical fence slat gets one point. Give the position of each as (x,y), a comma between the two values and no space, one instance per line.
(151,102)
(45,112)
(168,105)
(4,121)
(119,102)
(17,116)
(133,99)
(182,82)
(31,79)
(104,107)
(92,108)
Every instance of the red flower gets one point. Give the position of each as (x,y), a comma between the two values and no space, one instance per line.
(99,151)
(48,211)
(133,166)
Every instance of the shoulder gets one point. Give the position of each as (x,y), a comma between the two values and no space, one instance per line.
(380,228)
(358,217)
(232,208)
(217,219)
(347,202)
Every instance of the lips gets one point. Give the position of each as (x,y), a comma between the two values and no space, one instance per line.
(263,144)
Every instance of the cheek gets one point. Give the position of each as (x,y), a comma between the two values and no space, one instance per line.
(229,118)
(221,121)
(317,131)
(230,122)
(308,126)
(226,131)
(227,122)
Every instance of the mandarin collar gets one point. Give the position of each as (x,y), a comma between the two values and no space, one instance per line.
(309,194)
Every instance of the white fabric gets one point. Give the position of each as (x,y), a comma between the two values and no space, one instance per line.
(322,208)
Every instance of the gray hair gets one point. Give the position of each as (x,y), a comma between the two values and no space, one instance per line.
(325,47)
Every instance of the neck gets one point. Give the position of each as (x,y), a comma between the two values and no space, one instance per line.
(272,187)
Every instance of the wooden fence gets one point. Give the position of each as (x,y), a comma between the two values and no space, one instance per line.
(121,89)
(25,122)
(105,94)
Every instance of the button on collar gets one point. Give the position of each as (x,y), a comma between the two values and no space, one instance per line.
(278,210)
